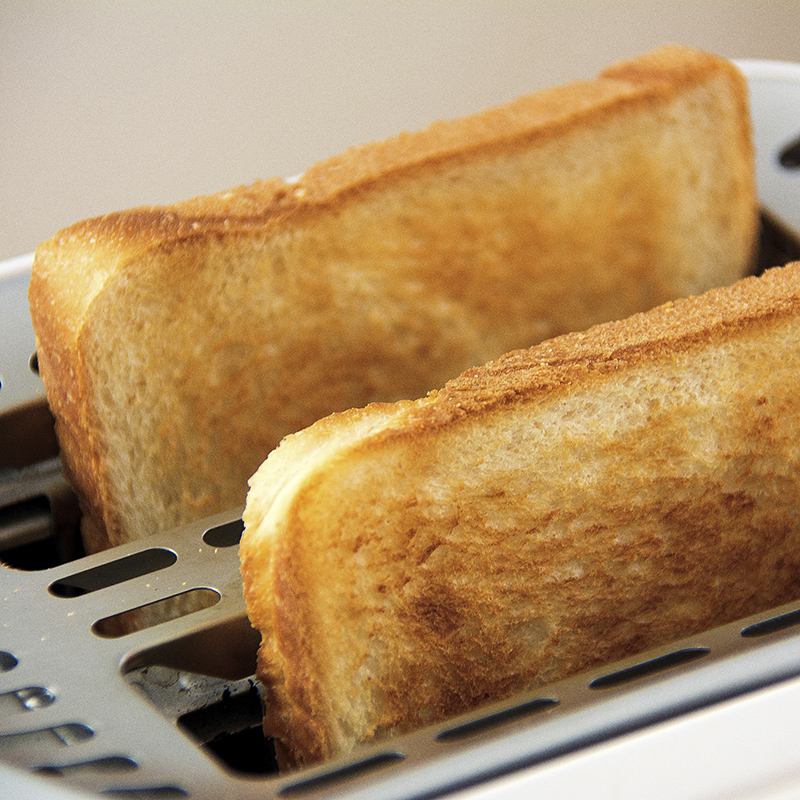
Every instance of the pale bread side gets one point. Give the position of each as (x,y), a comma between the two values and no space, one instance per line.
(556,509)
(179,344)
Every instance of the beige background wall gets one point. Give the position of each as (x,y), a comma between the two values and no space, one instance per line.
(105,105)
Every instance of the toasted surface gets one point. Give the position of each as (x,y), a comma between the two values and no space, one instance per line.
(559,508)
(178,345)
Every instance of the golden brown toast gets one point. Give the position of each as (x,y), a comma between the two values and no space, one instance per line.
(179,344)
(559,508)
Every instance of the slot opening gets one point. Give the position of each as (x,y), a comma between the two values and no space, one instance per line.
(226,535)
(26,539)
(223,716)
(150,793)
(61,736)
(231,730)
(777,244)
(113,573)
(111,765)
(152,614)
(349,772)
(772,625)
(789,155)
(648,668)
(31,698)
(498,719)
(7,661)
(39,518)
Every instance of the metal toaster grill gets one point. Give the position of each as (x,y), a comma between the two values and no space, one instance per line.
(174,710)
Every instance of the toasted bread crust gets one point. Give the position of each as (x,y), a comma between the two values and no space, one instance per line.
(717,316)
(559,508)
(655,77)
(378,275)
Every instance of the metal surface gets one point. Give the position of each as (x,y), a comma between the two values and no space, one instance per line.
(102,712)
(173,710)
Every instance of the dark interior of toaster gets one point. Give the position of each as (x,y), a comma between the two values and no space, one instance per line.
(39,529)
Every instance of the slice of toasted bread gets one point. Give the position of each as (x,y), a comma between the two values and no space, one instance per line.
(559,508)
(178,345)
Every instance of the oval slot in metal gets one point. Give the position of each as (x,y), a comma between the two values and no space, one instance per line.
(349,772)
(648,668)
(7,661)
(147,616)
(112,765)
(772,625)
(150,793)
(226,535)
(789,156)
(60,736)
(30,698)
(492,721)
(113,573)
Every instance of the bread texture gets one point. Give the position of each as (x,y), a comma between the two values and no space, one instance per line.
(179,344)
(554,510)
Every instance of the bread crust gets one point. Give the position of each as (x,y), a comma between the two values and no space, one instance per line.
(559,508)
(653,78)
(372,279)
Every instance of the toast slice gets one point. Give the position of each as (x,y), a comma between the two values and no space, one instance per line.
(559,508)
(179,344)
